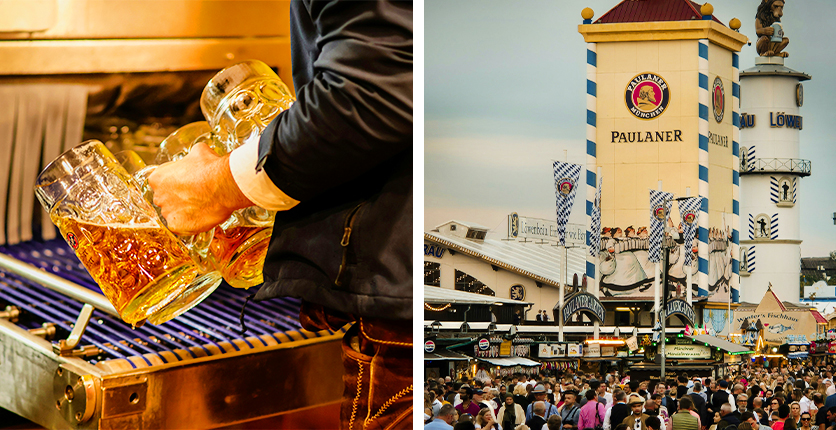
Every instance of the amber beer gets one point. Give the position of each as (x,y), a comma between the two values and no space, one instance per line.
(139,267)
(240,251)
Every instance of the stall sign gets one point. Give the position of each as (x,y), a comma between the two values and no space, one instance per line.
(505,348)
(558,350)
(429,346)
(522,350)
(832,348)
(545,351)
(632,343)
(607,351)
(491,352)
(831,334)
(484,344)
(575,350)
(593,350)
(687,351)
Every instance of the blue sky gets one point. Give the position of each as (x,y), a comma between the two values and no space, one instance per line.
(504,89)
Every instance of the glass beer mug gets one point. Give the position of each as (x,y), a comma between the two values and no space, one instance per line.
(208,278)
(239,102)
(139,264)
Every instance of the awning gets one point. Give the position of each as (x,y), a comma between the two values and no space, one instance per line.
(819,318)
(731,348)
(443,354)
(510,361)
(438,295)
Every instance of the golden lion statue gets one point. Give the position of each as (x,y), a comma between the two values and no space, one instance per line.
(770,12)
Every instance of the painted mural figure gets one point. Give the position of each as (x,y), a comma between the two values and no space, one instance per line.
(627,271)
(769,43)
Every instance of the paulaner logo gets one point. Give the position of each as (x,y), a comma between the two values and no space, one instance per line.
(647,96)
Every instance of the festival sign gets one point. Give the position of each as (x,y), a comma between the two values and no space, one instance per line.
(718,99)
(681,308)
(528,228)
(687,351)
(429,346)
(583,302)
(576,350)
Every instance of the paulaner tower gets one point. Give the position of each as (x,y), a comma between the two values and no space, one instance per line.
(662,106)
(770,170)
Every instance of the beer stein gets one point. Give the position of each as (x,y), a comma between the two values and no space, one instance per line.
(239,244)
(208,279)
(239,102)
(139,265)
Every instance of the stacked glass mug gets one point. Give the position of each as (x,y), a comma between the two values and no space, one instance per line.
(103,207)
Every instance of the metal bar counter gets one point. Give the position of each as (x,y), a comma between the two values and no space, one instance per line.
(195,371)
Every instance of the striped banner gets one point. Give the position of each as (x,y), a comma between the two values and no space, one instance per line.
(595,228)
(566,177)
(660,208)
(689,214)
(593,193)
(773,229)
(702,253)
(750,259)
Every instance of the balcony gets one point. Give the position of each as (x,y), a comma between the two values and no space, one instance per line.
(776,165)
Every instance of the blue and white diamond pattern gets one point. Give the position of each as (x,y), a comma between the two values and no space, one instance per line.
(657,226)
(691,205)
(565,174)
(595,228)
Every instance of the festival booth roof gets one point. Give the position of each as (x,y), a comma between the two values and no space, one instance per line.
(539,261)
(443,354)
(731,348)
(438,295)
(653,11)
(510,361)
(549,329)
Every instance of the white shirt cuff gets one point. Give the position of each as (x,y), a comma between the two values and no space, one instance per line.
(257,186)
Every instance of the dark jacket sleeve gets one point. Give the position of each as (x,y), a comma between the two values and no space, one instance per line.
(356,112)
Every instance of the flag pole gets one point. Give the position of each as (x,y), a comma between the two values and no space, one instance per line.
(561,250)
(688,271)
(596,286)
(657,273)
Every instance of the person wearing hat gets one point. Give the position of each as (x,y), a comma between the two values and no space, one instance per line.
(510,414)
(467,406)
(636,419)
(478,398)
(539,392)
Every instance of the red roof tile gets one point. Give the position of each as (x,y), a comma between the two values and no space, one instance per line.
(653,10)
(819,318)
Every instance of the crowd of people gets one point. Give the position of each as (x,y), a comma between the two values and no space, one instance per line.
(777,398)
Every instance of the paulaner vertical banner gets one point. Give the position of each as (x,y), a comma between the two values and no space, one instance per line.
(595,225)
(689,213)
(565,178)
(660,207)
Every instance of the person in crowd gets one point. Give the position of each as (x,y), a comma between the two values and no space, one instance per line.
(682,419)
(620,410)
(728,418)
(485,420)
(699,401)
(447,416)
(807,422)
(520,396)
(653,423)
(467,406)
(538,412)
(592,413)
(554,423)
(716,420)
(540,396)
(510,414)
(636,419)
(749,417)
(570,410)
(795,413)
(781,421)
